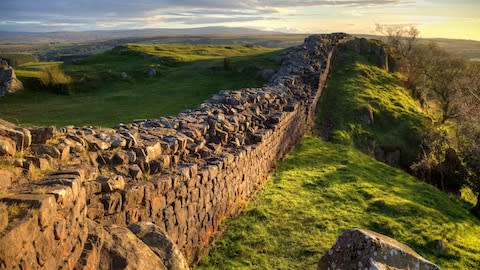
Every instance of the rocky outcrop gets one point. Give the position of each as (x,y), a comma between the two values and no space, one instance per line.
(8,80)
(363,249)
(185,173)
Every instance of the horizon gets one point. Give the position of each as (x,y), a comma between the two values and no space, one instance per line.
(434,18)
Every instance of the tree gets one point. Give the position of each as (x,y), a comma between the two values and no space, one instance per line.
(402,46)
(451,146)
(441,72)
(401,40)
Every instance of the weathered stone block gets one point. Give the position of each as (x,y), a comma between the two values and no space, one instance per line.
(112,202)
(161,244)
(8,147)
(45,149)
(42,135)
(123,250)
(15,135)
(153,151)
(111,183)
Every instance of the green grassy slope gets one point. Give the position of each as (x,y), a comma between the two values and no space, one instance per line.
(322,189)
(186,75)
(357,87)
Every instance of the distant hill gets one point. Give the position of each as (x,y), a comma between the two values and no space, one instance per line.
(53,45)
(72,37)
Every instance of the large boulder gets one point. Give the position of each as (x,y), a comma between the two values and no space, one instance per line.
(161,244)
(123,250)
(363,249)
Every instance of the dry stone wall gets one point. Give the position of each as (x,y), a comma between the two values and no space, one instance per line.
(185,173)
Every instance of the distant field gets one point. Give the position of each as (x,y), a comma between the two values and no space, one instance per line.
(186,75)
(59,50)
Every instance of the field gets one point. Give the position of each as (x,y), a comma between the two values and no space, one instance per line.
(186,75)
(322,188)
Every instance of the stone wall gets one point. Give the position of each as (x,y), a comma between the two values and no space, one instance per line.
(185,173)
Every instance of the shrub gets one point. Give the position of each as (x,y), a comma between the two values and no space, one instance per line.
(54,79)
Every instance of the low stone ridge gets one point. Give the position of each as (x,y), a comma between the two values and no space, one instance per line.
(367,250)
(64,189)
(8,80)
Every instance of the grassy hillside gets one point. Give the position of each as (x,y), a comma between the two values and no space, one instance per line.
(322,188)
(357,89)
(186,75)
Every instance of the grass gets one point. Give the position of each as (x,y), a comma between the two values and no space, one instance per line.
(38,65)
(357,87)
(322,189)
(186,75)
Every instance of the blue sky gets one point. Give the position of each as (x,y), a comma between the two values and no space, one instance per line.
(434,18)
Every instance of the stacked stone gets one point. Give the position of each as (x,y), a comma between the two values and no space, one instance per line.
(184,173)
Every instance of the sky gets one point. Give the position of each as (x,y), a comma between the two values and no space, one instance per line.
(434,18)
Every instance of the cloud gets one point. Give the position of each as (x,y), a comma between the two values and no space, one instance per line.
(114,14)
